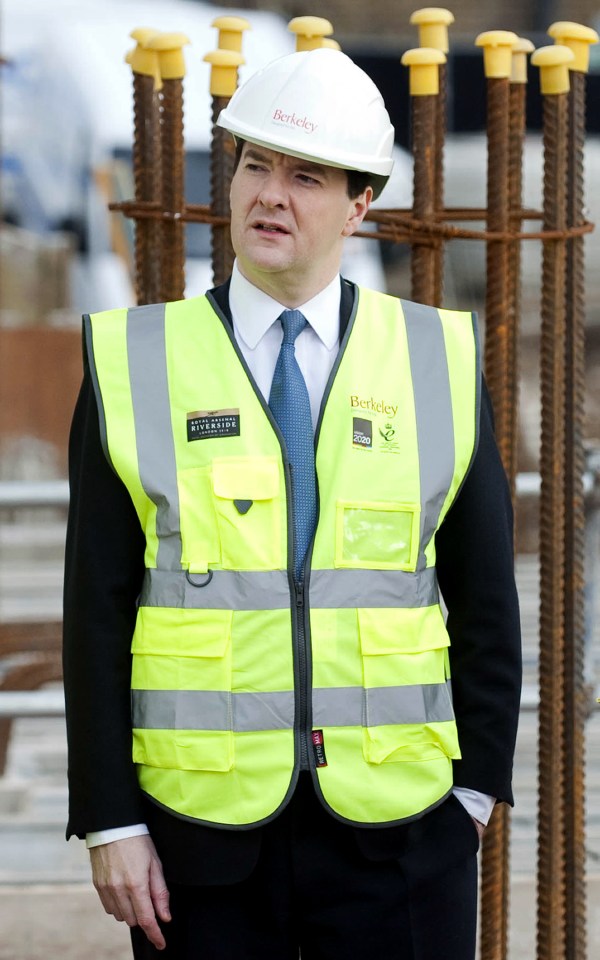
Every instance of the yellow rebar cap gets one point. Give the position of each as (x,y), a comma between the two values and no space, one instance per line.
(433,23)
(224,72)
(140,59)
(554,68)
(497,52)
(522,47)
(330,43)
(169,47)
(424,72)
(578,38)
(230,32)
(310,32)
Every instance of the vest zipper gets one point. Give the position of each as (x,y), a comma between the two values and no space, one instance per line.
(303,677)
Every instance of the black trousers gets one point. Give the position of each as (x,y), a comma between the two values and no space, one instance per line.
(315,892)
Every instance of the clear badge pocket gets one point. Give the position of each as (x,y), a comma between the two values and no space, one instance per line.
(379,535)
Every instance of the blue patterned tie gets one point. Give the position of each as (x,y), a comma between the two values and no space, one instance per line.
(290,405)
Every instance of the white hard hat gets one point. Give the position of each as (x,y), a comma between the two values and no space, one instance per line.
(317,105)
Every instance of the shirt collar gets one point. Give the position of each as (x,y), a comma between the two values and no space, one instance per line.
(254,312)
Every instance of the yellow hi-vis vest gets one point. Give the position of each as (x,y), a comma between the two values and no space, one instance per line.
(241,676)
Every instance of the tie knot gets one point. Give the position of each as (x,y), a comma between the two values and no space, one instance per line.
(293,323)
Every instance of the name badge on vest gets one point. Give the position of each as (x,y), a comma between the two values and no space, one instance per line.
(208,424)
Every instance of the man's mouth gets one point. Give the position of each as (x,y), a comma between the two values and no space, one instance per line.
(269,227)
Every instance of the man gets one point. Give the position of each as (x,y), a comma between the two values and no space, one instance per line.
(305,776)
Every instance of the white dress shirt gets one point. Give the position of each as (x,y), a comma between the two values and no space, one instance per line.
(259,337)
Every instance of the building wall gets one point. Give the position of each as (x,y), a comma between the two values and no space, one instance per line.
(389,19)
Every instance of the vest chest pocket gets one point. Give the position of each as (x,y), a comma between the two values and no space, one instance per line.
(249,510)
(408,712)
(380,535)
(199,532)
(181,689)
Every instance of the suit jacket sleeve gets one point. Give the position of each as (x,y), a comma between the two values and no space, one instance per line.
(103,575)
(475,564)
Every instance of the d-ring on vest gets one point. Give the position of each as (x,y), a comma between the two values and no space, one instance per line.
(234,664)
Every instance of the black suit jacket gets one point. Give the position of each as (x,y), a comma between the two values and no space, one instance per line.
(103,575)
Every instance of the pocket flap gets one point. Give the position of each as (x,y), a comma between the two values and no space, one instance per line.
(172,632)
(406,743)
(246,479)
(387,630)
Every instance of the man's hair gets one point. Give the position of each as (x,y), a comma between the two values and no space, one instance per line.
(358,181)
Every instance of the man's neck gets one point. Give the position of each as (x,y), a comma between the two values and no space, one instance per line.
(284,290)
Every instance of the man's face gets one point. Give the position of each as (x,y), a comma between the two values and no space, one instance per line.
(289,218)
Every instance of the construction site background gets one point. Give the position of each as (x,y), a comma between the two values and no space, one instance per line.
(47,906)
(380,19)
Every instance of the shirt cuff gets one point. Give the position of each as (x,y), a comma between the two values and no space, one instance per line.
(478,805)
(98,837)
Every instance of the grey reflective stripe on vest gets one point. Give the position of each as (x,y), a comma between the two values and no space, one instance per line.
(212,710)
(339,589)
(332,707)
(378,706)
(217,590)
(269,590)
(433,413)
(153,430)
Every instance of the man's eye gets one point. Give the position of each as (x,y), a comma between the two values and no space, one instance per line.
(305,178)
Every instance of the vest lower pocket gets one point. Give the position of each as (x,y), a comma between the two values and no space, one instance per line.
(410,742)
(408,714)
(210,750)
(181,689)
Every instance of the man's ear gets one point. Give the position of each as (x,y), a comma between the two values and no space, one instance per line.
(358,209)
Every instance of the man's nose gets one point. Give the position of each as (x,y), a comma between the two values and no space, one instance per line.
(274,192)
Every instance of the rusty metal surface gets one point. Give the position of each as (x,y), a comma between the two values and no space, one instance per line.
(494,905)
(575,693)
(423,149)
(499,344)
(497,299)
(551,796)
(222,158)
(516,141)
(397,225)
(441,106)
(146,178)
(172,245)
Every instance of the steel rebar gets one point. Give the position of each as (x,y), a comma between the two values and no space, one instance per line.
(551,810)
(222,158)
(424,195)
(497,260)
(172,248)
(516,135)
(498,347)
(441,107)
(575,693)
(146,176)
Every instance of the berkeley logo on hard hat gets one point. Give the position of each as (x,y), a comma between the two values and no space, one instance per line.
(291,120)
